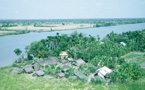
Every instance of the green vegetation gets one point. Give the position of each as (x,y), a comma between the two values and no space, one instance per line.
(135,57)
(95,53)
(52,69)
(4,32)
(17,52)
(127,72)
(10,81)
(115,22)
(14,27)
(87,48)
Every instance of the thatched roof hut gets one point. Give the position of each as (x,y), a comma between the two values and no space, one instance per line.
(63,54)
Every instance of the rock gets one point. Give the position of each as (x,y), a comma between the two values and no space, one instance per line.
(28,69)
(79,62)
(60,75)
(80,75)
(38,73)
(48,76)
(66,68)
(49,61)
(36,66)
(17,70)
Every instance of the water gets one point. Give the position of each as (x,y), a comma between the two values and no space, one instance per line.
(9,43)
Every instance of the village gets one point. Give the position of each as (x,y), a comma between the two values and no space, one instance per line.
(36,68)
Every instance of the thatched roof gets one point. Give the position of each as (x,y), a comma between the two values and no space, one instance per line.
(63,53)
(48,61)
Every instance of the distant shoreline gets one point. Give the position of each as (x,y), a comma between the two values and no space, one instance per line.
(14,27)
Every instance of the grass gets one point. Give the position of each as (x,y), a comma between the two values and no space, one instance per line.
(135,58)
(4,32)
(11,81)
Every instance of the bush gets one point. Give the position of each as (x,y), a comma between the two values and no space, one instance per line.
(97,80)
(120,61)
(30,57)
(127,72)
(87,69)
(52,69)
(20,63)
(104,61)
(69,73)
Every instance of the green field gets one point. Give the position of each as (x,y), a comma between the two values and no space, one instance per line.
(137,58)
(10,81)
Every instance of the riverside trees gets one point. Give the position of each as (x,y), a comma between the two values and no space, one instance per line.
(94,52)
(79,46)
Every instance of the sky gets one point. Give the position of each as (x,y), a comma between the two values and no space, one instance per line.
(71,9)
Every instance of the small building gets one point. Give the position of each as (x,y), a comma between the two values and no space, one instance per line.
(38,73)
(124,44)
(48,61)
(102,72)
(61,75)
(28,69)
(66,68)
(63,55)
(80,75)
(79,62)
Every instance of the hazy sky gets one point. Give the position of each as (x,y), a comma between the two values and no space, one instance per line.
(64,9)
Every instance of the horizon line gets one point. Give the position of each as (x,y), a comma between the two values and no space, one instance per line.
(72,18)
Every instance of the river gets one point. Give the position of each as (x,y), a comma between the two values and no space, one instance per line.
(9,43)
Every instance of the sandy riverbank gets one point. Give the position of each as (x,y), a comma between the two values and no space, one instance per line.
(45,28)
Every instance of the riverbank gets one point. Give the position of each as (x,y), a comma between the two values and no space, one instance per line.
(9,43)
(53,27)
(14,27)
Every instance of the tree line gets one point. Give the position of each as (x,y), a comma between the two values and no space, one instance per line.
(79,46)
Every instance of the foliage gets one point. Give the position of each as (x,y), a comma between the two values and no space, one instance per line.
(87,69)
(17,51)
(93,52)
(21,63)
(127,72)
(52,69)
(29,57)
(69,72)
(135,40)
(79,46)
(110,62)
(97,80)
(11,81)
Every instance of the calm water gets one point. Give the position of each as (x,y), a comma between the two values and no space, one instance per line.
(9,43)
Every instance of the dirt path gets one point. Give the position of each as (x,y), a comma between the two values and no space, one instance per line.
(126,54)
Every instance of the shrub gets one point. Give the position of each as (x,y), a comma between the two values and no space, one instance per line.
(69,73)
(120,61)
(127,72)
(87,69)
(104,61)
(91,68)
(97,80)
(52,69)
